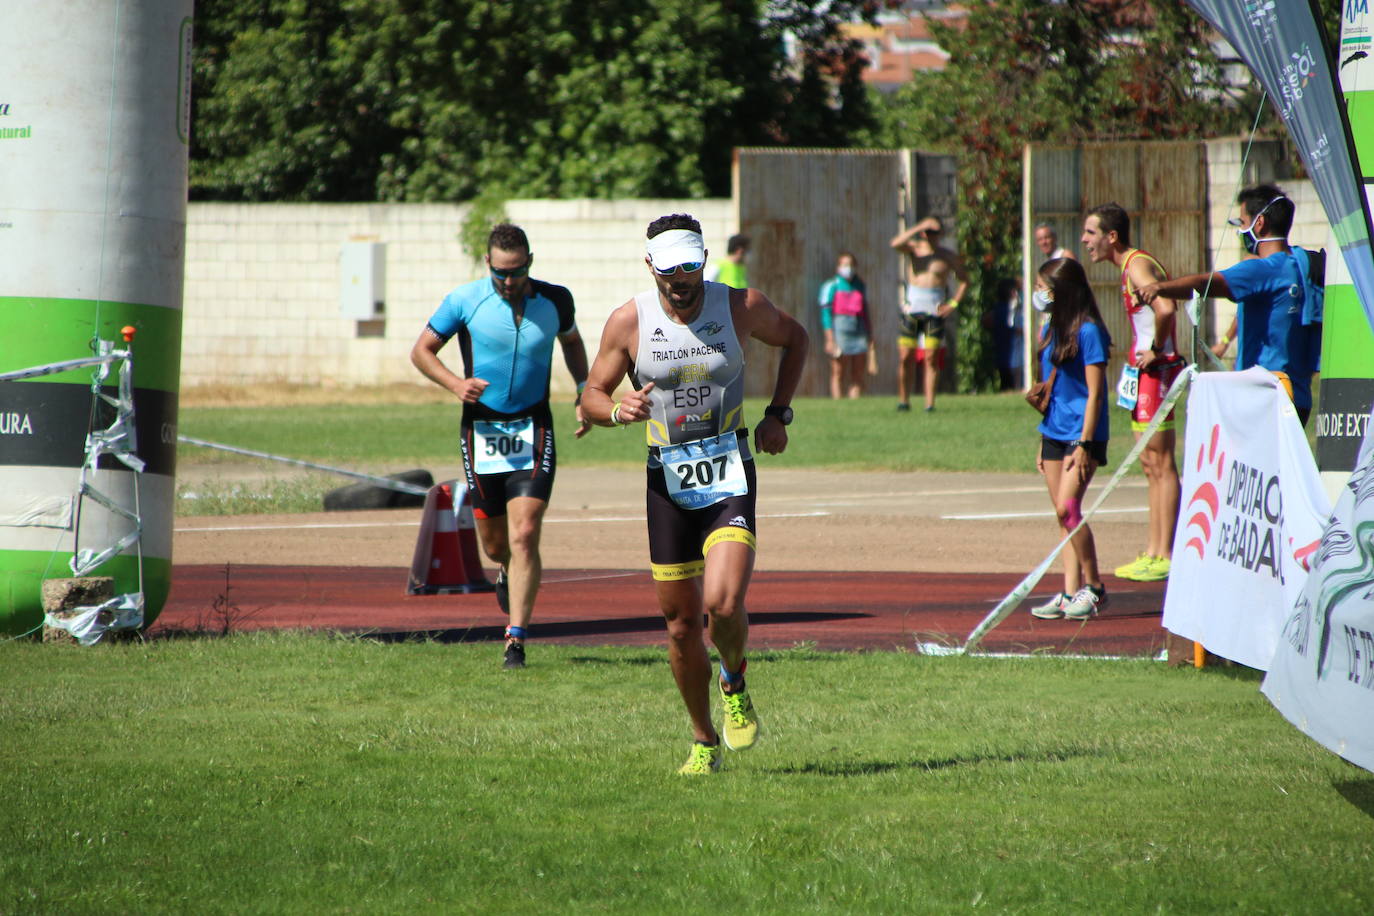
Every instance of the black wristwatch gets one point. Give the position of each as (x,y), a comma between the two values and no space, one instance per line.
(782,414)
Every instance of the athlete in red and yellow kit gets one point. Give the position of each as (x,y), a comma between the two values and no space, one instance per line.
(1152,365)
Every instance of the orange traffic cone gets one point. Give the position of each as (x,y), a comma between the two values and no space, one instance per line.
(446,556)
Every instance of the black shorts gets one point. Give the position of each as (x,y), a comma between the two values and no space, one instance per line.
(679,538)
(922,331)
(1058,449)
(489,492)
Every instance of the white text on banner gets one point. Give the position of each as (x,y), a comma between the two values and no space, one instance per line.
(1252,510)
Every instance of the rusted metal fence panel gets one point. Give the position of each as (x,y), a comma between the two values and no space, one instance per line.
(801,208)
(1161,184)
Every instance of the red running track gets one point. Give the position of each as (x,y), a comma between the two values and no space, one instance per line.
(867,610)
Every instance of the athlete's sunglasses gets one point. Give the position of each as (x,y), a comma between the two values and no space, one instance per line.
(520,271)
(690,267)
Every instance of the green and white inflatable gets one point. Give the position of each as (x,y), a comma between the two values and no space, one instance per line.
(94,124)
(1347,376)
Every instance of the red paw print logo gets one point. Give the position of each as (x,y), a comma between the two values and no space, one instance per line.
(1205,497)
(1303,555)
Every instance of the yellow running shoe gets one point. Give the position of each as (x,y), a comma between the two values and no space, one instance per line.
(1135,569)
(1156,570)
(741,724)
(703,761)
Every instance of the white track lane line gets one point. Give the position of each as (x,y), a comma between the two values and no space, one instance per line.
(859,498)
(619,575)
(1043,514)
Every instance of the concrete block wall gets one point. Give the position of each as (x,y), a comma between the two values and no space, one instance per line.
(261,302)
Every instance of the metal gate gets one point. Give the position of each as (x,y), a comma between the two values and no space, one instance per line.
(1162,185)
(801,208)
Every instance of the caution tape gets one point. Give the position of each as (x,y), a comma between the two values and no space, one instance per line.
(1023,589)
(66,365)
(387,482)
(119,440)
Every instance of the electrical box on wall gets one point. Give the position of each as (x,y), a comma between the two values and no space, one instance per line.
(362,280)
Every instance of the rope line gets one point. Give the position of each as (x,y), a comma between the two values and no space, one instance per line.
(1013,599)
(386,482)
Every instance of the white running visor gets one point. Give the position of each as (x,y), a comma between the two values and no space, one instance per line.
(676,246)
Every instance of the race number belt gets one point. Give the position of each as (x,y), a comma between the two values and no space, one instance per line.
(499,446)
(1128,389)
(703,472)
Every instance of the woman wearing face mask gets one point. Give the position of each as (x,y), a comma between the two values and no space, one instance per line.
(844,318)
(1074,344)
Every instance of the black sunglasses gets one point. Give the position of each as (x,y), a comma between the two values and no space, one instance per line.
(690,267)
(513,272)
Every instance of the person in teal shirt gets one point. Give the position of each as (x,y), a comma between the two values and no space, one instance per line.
(844,318)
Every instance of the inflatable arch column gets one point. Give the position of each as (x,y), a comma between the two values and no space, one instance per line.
(1347,373)
(94,129)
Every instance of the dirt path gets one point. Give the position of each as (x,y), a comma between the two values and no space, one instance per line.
(808,520)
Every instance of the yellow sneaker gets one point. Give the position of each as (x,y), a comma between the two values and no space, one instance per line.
(703,761)
(741,724)
(1155,571)
(1134,569)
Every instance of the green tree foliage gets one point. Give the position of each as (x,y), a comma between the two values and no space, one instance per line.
(1024,71)
(446,99)
(280,110)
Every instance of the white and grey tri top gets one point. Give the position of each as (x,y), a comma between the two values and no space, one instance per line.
(697,370)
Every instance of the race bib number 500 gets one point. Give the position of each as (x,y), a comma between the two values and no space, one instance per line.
(702,473)
(502,445)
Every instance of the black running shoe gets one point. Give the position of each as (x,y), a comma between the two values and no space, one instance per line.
(502,592)
(515,655)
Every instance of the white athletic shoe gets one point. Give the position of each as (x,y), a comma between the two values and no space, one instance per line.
(1052,609)
(1085,602)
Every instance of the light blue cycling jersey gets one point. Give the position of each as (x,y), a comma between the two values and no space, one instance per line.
(515,359)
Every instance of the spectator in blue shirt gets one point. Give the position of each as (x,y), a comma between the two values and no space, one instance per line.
(1073,347)
(1269,289)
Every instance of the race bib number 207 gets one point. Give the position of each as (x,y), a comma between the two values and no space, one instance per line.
(702,473)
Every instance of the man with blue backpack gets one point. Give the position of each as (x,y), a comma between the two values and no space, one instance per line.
(1279,291)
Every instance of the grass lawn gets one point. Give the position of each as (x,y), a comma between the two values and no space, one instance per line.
(966,432)
(310,773)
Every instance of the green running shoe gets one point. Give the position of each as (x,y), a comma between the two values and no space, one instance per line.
(1156,571)
(1135,569)
(741,724)
(703,761)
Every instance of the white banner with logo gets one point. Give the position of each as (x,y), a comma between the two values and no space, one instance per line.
(1322,675)
(1251,513)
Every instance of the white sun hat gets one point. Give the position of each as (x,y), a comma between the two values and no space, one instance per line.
(676,246)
